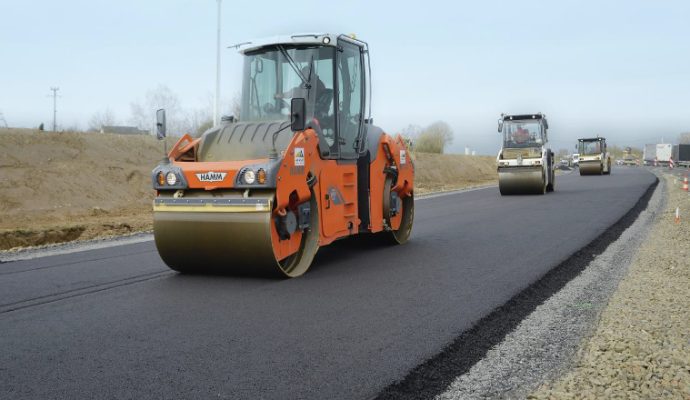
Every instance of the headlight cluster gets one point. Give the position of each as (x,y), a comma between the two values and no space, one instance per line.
(171,179)
(249,176)
(167,178)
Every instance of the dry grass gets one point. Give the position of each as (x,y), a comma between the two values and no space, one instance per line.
(440,172)
(64,186)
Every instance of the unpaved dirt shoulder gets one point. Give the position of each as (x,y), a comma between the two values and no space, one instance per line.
(641,346)
(65,187)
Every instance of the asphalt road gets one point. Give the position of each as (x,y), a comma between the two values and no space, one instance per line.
(115,323)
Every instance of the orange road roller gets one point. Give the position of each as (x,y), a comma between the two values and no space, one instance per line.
(301,167)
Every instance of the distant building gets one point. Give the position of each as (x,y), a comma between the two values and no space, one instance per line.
(123,130)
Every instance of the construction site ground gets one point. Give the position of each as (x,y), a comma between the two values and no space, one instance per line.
(640,348)
(61,187)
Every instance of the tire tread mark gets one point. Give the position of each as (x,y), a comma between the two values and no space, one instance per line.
(68,263)
(54,297)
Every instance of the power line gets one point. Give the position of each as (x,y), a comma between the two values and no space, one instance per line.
(55,89)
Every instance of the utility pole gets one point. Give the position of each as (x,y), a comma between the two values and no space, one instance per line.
(54,89)
(216,103)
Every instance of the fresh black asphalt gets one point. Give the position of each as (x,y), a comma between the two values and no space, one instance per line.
(114,323)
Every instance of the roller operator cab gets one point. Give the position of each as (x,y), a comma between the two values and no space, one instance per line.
(302,166)
(594,156)
(525,161)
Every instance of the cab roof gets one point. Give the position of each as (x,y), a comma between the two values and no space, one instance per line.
(521,117)
(596,139)
(321,39)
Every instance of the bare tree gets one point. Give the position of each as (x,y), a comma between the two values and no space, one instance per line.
(236,107)
(100,119)
(197,121)
(143,114)
(411,131)
(434,138)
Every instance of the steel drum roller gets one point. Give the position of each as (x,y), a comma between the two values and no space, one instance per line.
(225,235)
(521,180)
(590,168)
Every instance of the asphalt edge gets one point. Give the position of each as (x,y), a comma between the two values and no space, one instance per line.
(435,375)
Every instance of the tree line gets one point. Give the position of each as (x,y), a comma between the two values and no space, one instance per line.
(434,138)
(178,120)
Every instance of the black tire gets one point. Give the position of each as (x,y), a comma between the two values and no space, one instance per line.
(298,263)
(402,234)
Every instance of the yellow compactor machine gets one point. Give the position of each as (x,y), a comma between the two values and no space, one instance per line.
(594,156)
(525,161)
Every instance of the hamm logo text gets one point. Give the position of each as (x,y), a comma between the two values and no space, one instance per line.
(211,176)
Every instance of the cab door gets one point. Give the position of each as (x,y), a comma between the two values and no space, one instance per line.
(338,182)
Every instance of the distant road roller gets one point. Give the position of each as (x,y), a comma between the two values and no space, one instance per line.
(301,167)
(594,156)
(525,162)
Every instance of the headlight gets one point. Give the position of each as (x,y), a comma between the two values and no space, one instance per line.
(171,178)
(249,177)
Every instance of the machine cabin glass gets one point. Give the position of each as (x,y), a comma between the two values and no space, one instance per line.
(350,87)
(591,147)
(520,134)
(275,74)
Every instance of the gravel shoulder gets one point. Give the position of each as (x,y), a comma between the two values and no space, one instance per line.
(641,346)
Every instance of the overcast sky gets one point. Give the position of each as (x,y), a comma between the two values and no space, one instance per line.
(618,69)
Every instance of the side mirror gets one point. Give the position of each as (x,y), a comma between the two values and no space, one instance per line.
(298,113)
(500,125)
(160,124)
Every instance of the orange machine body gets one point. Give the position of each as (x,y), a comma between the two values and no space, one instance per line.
(336,188)
(251,195)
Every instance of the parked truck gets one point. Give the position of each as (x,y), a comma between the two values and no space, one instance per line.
(649,154)
(664,151)
(681,155)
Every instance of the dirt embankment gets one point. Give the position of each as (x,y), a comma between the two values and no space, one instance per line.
(441,172)
(57,187)
(64,186)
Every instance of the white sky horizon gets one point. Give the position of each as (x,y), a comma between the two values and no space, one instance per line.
(617,69)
